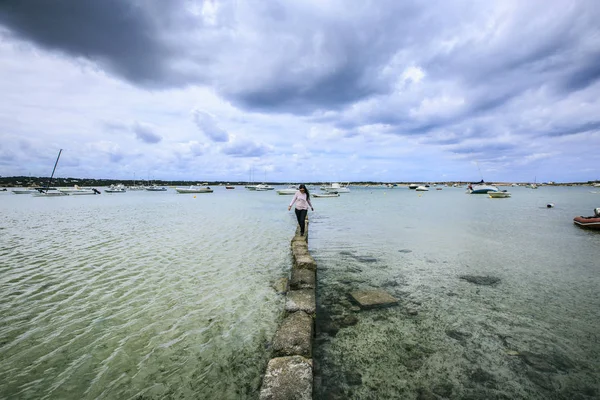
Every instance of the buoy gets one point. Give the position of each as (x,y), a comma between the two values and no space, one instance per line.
(550,205)
(194,196)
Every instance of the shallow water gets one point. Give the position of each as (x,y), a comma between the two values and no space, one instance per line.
(158,295)
(139,295)
(534,334)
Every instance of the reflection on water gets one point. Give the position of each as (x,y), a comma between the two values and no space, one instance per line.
(139,295)
(532,334)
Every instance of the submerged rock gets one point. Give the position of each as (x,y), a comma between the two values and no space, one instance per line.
(412,311)
(458,335)
(373,299)
(481,280)
(349,320)
(280,286)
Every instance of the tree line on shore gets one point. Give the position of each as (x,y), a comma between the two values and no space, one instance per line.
(29,181)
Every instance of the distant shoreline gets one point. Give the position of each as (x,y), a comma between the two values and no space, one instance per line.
(27,181)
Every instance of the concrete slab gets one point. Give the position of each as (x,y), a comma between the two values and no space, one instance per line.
(367,299)
(288,378)
(300,247)
(298,238)
(294,336)
(303,279)
(305,261)
(301,300)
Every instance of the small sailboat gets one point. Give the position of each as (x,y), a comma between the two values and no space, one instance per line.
(51,192)
(481,187)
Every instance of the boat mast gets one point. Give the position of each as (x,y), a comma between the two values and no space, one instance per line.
(479,169)
(54,169)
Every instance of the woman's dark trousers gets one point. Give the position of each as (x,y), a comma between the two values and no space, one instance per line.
(301,215)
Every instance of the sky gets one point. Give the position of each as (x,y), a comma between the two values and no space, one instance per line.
(301,91)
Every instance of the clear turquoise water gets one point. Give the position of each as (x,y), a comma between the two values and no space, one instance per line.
(139,295)
(158,295)
(533,335)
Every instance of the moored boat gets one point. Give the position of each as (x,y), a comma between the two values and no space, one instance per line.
(194,189)
(499,195)
(49,193)
(290,190)
(156,188)
(336,187)
(120,188)
(263,187)
(24,191)
(481,188)
(76,190)
(325,195)
(592,222)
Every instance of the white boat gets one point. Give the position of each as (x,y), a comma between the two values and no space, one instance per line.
(155,188)
(50,193)
(325,195)
(116,189)
(263,187)
(336,187)
(194,189)
(290,190)
(532,185)
(481,188)
(76,190)
(413,186)
(136,187)
(499,194)
(24,191)
(421,189)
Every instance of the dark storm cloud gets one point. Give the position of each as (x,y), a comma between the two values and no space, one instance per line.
(127,38)
(304,58)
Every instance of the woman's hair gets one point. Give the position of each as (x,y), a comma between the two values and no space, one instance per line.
(302,186)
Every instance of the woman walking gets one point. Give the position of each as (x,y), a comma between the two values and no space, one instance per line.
(302,200)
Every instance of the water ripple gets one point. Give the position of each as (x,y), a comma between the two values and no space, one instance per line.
(119,297)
